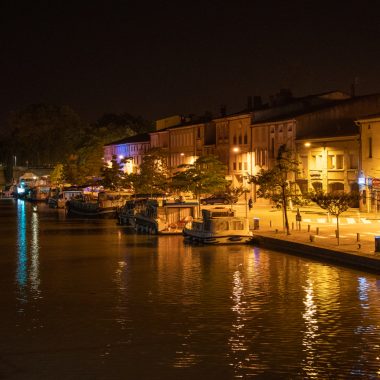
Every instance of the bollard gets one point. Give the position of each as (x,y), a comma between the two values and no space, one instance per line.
(276,230)
(270,223)
(337,234)
(312,238)
(357,236)
(317,231)
(308,228)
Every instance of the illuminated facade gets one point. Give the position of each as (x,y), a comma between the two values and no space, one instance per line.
(132,149)
(321,129)
(233,141)
(369,173)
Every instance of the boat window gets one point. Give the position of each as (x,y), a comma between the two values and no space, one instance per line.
(237,225)
(222,225)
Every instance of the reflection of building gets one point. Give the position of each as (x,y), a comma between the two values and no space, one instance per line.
(369,177)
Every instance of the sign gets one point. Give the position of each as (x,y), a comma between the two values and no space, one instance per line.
(376,183)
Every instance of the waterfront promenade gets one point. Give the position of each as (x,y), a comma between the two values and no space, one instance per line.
(315,234)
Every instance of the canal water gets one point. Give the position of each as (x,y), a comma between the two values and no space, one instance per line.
(91,300)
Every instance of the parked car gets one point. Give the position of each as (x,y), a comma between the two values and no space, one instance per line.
(215,199)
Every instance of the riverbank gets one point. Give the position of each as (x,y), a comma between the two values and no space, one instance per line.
(315,236)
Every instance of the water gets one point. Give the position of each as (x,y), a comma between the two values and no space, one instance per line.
(90,300)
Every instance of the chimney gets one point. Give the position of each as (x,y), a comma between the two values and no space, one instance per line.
(249,103)
(257,102)
(223,110)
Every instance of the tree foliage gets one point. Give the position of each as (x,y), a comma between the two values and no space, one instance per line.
(154,173)
(113,175)
(274,183)
(233,194)
(123,125)
(43,134)
(206,175)
(335,203)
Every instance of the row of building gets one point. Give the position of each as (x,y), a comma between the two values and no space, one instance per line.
(335,135)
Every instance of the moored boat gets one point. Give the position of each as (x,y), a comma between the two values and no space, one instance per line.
(105,206)
(61,197)
(164,216)
(218,226)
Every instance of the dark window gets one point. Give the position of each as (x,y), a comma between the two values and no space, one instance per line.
(272,148)
(245,139)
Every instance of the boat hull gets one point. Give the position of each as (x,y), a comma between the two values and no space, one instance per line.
(198,237)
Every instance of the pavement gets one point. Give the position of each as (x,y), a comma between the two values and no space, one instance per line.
(358,230)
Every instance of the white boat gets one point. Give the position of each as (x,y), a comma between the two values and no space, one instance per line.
(218,226)
(164,216)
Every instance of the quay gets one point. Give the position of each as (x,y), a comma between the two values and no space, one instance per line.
(359,242)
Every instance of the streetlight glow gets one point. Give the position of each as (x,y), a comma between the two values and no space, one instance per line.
(235,149)
(307,144)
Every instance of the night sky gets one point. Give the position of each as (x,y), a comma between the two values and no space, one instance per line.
(182,57)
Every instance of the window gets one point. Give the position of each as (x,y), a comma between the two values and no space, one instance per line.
(272,148)
(353,161)
(234,140)
(234,165)
(240,166)
(245,139)
(198,132)
(245,166)
(369,147)
(240,139)
(335,161)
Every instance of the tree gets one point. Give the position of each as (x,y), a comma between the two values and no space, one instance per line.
(205,175)
(43,134)
(154,173)
(233,194)
(57,175)
(274,183)
(335,203)
(112,175)
(123,125)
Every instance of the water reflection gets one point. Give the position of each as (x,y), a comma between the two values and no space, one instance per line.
(21,274)
(311,330)
(27,273)
(154,305)
(34,251)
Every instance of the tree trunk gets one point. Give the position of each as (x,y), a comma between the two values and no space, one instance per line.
(285,211)
(337,228)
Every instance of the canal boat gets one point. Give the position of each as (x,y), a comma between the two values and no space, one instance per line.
(126,214)
(105,206)
(219,225)
(164,216)
(60,197)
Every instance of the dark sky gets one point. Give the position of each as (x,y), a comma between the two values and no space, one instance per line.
(182,57)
